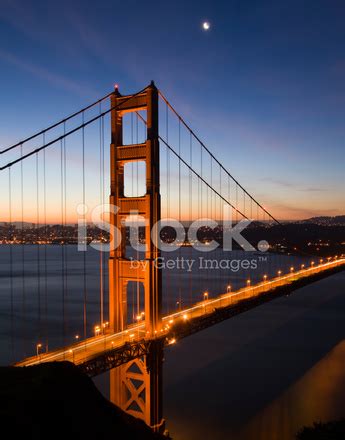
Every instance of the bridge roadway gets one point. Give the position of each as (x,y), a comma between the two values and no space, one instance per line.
(121,347)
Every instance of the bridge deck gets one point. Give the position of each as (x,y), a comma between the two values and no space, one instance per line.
(106,351)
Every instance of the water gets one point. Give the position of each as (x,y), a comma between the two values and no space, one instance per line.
(43,300)
(260,375)
(264,374)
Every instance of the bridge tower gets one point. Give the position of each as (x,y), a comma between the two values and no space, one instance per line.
(136,387)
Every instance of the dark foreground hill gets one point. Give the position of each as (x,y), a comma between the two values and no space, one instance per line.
(57,401)
(324,431)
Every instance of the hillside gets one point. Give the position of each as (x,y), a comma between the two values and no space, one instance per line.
(55,400)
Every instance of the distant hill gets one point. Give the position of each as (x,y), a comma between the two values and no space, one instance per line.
(338,220)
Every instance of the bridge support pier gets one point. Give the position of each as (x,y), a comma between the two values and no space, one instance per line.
(136,387)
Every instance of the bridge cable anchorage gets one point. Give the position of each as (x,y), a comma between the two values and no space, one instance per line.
(69,133)
(62,121)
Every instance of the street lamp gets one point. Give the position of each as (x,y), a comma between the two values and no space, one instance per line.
(205,299)
(248,283)
(292,269)
(72,353)
(77,337)
(38,346)
(279,273)
(312,263)
(228,288)
(302,266)
(97,330)
(265,278)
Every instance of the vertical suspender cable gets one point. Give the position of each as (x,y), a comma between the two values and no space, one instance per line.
(65,246)
(45,247)
(62,242)
(170,299)
(11,260)
(137,194)
(190,212)
(23,253)
(179,199)
(101,202)
(84,253)
(38,251)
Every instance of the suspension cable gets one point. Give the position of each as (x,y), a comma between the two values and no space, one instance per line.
(74,130)
(63,121)
(214,158)
(201,178)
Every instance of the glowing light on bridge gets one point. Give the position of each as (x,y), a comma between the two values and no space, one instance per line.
(38,346)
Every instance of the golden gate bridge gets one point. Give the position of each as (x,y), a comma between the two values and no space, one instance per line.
(158,172)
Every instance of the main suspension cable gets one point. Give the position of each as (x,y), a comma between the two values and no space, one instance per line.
(74,130)
(62,121)
(212,156)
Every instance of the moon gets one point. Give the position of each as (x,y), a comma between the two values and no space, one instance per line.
(206,25)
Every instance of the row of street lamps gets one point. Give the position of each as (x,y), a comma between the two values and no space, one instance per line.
(98,329)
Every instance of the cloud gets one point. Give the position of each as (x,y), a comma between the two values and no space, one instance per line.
(313,189)
(44,74)
(277,182)
(295,186)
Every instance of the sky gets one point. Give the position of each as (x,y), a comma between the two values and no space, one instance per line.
(264,87)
